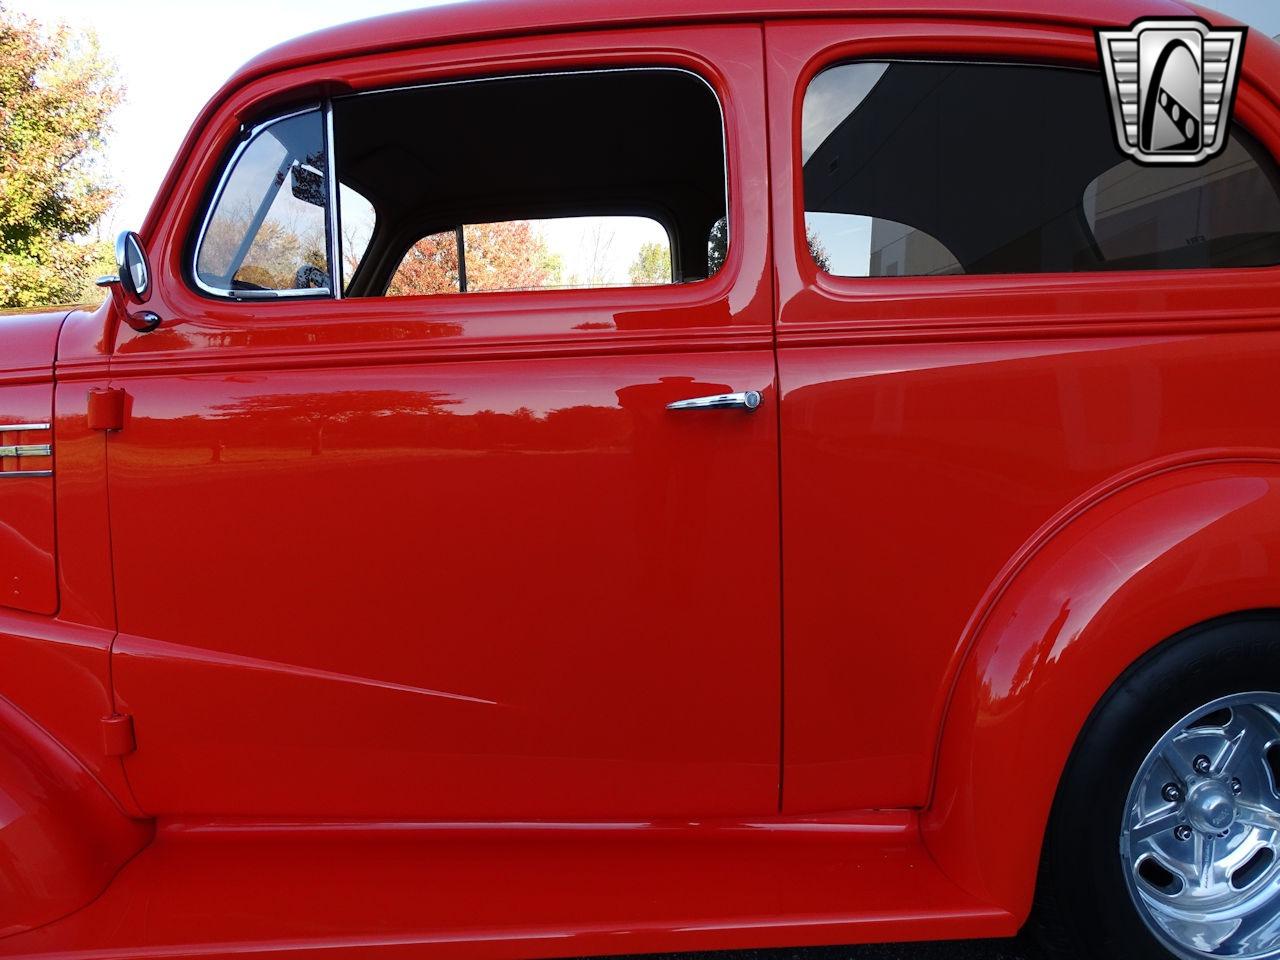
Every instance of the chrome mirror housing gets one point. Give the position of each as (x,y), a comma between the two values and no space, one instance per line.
(135,270)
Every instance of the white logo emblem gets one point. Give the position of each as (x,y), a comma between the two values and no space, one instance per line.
(1171,83)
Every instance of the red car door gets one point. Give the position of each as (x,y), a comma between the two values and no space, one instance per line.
(453,557)
(989,316)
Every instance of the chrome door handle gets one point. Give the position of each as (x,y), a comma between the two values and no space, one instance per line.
(721,401)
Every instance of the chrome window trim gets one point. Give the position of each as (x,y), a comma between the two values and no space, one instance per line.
(246,139)
(333,215)
(586,72)
(325,107)
(19,427)
(24,474)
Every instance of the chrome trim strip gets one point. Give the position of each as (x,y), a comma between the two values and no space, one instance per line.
(21,474)
(276,294)
(333,215)
(227,170)
(19,427)
(27,450)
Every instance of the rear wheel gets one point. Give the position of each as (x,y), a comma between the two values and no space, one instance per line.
(1165,837)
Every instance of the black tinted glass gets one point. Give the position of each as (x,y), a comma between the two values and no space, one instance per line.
(917,168)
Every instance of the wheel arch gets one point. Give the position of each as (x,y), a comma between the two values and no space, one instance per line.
(62,837)
(1134,567)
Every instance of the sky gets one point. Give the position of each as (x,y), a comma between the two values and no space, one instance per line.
(173,56)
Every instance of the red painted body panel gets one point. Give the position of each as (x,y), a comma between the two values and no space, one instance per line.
(456,528)
(29,580)
(350,567)
(930,427)
(553,890)
(61,838)
(1173,544)
(30,343)
(28,575)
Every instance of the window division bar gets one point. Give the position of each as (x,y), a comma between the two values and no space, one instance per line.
(335,214)
(461,236)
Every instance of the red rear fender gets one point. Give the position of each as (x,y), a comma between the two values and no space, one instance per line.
(1141,564)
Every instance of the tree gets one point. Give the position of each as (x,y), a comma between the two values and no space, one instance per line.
(817,249)
(499,256)
(596,252)
(57,93)
(652,265)
(718,247)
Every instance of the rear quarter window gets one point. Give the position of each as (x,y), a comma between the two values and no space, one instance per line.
(924,168)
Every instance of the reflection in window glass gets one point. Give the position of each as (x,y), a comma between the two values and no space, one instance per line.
(717,246)
(925,168)
(850,245)
(1224,213)
(268,230)
(831,97)
(558,253)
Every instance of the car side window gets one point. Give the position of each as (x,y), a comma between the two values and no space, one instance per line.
(601,178)
(266,233)
(916,168)
(595,178)
(359,221)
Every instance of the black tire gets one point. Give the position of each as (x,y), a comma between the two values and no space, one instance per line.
(1083,908)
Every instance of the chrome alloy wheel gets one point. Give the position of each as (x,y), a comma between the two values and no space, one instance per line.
(1200,842)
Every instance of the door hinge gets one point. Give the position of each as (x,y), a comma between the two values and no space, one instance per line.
(117,735)
(107,408)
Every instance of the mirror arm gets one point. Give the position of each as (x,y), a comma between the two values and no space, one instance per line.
(144,321)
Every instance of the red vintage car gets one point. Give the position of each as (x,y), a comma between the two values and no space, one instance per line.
(897,559)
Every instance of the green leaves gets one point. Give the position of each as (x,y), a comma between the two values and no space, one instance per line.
(652,265)
(57,93)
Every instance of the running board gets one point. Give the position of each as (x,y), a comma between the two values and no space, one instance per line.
(219,889)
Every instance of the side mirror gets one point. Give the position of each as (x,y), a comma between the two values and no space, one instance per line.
(132,281)
(131,260)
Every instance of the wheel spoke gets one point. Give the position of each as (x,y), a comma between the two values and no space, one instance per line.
(1256,815)
(1179,767)
(1205,849)
(1157,823)
(1241,749)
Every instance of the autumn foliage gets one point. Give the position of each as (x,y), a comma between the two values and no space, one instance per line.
(499,256)
(56,95)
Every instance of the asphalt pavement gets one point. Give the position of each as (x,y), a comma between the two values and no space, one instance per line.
(965,950)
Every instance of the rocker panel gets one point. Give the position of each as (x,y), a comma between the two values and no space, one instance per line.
(517,890)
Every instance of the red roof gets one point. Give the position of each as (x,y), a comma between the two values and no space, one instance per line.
(473,19)
(478,19)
